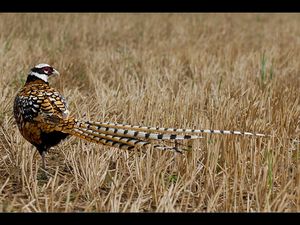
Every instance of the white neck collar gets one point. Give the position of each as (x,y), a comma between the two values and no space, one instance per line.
(43,77)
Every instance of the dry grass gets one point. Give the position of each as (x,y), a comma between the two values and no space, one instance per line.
(216,71)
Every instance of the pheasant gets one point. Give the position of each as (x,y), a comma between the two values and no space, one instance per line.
(42,116)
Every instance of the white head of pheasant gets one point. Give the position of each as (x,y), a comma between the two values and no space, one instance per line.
(41,71)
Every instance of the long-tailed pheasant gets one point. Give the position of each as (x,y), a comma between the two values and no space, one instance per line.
(42,116)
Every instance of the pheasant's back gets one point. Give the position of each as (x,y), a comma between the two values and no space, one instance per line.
(38,109)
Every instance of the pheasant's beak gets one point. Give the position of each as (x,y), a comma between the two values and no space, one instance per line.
(55,72)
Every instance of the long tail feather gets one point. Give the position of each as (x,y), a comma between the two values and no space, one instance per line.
(101,140)
(116,141)
(92,126)
(124,140)
(169,130)
(126,136)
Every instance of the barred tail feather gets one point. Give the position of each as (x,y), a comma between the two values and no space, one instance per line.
(169,130)
(128,141)
(98,129)
(129,136)
(116,141)
(101,140)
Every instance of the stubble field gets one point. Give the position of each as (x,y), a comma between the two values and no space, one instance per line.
(199,71)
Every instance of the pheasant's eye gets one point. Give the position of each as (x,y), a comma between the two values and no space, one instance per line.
(47,70)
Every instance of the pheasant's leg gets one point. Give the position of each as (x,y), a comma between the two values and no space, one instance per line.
(43,160)
(43,175)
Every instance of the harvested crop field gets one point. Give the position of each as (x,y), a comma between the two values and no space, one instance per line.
(198,71)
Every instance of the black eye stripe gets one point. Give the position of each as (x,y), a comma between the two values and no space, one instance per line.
(36,70)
